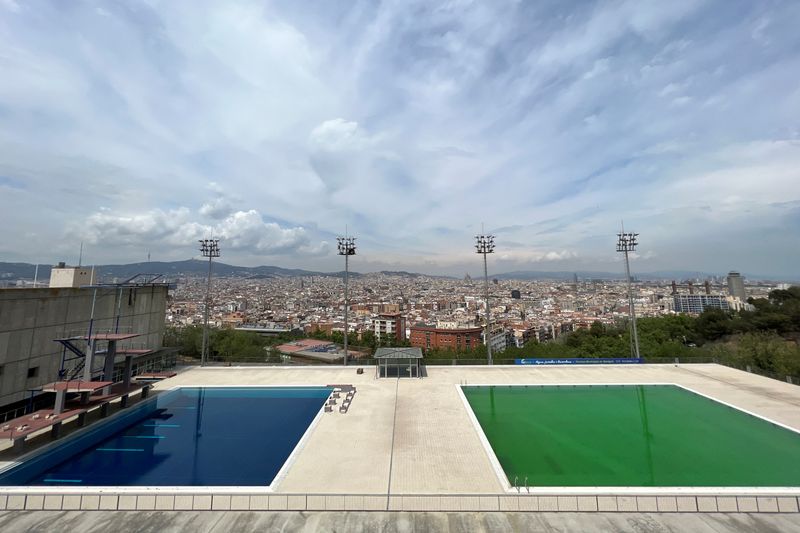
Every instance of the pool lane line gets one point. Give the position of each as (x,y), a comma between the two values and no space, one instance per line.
(391,454)
(144,437)
(161,425)
(119,449)
(62,481)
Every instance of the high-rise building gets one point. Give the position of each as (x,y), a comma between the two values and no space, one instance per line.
(697,303)
(736,286)
(515,294)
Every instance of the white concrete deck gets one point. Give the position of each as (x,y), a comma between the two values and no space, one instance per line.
(433,447)
(409,444)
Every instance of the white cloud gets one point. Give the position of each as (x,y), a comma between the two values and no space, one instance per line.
(556,120)
(217,208)
(240,231)
(338,135)
(246,230)
(173,228)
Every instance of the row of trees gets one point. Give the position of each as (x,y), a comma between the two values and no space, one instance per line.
(247,346)
(765,338)
(367,342)
(227,345)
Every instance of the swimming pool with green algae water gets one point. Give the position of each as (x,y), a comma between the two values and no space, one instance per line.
(630,435)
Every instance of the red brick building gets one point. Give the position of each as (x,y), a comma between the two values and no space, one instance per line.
(427,337)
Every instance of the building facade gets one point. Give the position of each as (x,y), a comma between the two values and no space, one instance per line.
(389,325)
(31,320)
(736,286)
(522,334)
(62,276)
(697,303)
(430,337)
(500,339)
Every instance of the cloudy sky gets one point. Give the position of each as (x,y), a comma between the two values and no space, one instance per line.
(141,127)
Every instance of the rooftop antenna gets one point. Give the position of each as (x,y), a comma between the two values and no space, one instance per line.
(80,255)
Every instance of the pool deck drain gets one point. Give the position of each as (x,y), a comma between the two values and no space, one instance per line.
(411,443)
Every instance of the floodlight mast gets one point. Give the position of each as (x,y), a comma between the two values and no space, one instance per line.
(484,244)
(208,248)
(347,247)
(627,242)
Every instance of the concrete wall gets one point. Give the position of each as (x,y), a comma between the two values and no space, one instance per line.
(31,318)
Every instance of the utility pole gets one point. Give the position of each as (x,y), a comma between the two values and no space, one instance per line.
(209,248)
(627,243)
(347,247)
(484,244)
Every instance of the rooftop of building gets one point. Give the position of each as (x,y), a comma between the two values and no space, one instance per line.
(411,445)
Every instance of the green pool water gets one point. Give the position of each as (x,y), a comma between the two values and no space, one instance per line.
(635,435)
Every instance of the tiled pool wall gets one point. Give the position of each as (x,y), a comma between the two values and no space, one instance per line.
(381,502)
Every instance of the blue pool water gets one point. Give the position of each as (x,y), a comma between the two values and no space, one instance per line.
(190,436)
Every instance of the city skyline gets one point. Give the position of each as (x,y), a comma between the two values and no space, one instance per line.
(138,129)
(25,271)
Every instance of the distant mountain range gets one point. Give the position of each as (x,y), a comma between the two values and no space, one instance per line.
(171,269)
(195,267)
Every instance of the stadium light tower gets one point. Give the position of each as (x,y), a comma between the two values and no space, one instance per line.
(627,243)
(484,244)
(347,247)
(209,248)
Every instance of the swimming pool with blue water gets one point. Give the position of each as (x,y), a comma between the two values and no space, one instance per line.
(184,437)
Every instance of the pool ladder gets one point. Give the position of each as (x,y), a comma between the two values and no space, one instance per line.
(524,484)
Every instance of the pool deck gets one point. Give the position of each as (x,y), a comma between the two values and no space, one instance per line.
(409,444)
(404,522)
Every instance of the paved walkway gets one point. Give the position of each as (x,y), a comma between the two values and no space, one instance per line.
(288,522)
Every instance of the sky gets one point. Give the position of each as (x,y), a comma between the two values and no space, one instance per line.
(140,127)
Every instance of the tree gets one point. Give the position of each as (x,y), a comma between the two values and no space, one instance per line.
(597,329)
(713,324)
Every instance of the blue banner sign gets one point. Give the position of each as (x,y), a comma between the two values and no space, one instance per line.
(583,361)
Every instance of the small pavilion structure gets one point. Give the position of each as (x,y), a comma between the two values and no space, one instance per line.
(398,362)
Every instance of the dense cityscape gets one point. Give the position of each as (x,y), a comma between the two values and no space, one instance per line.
(521,311)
